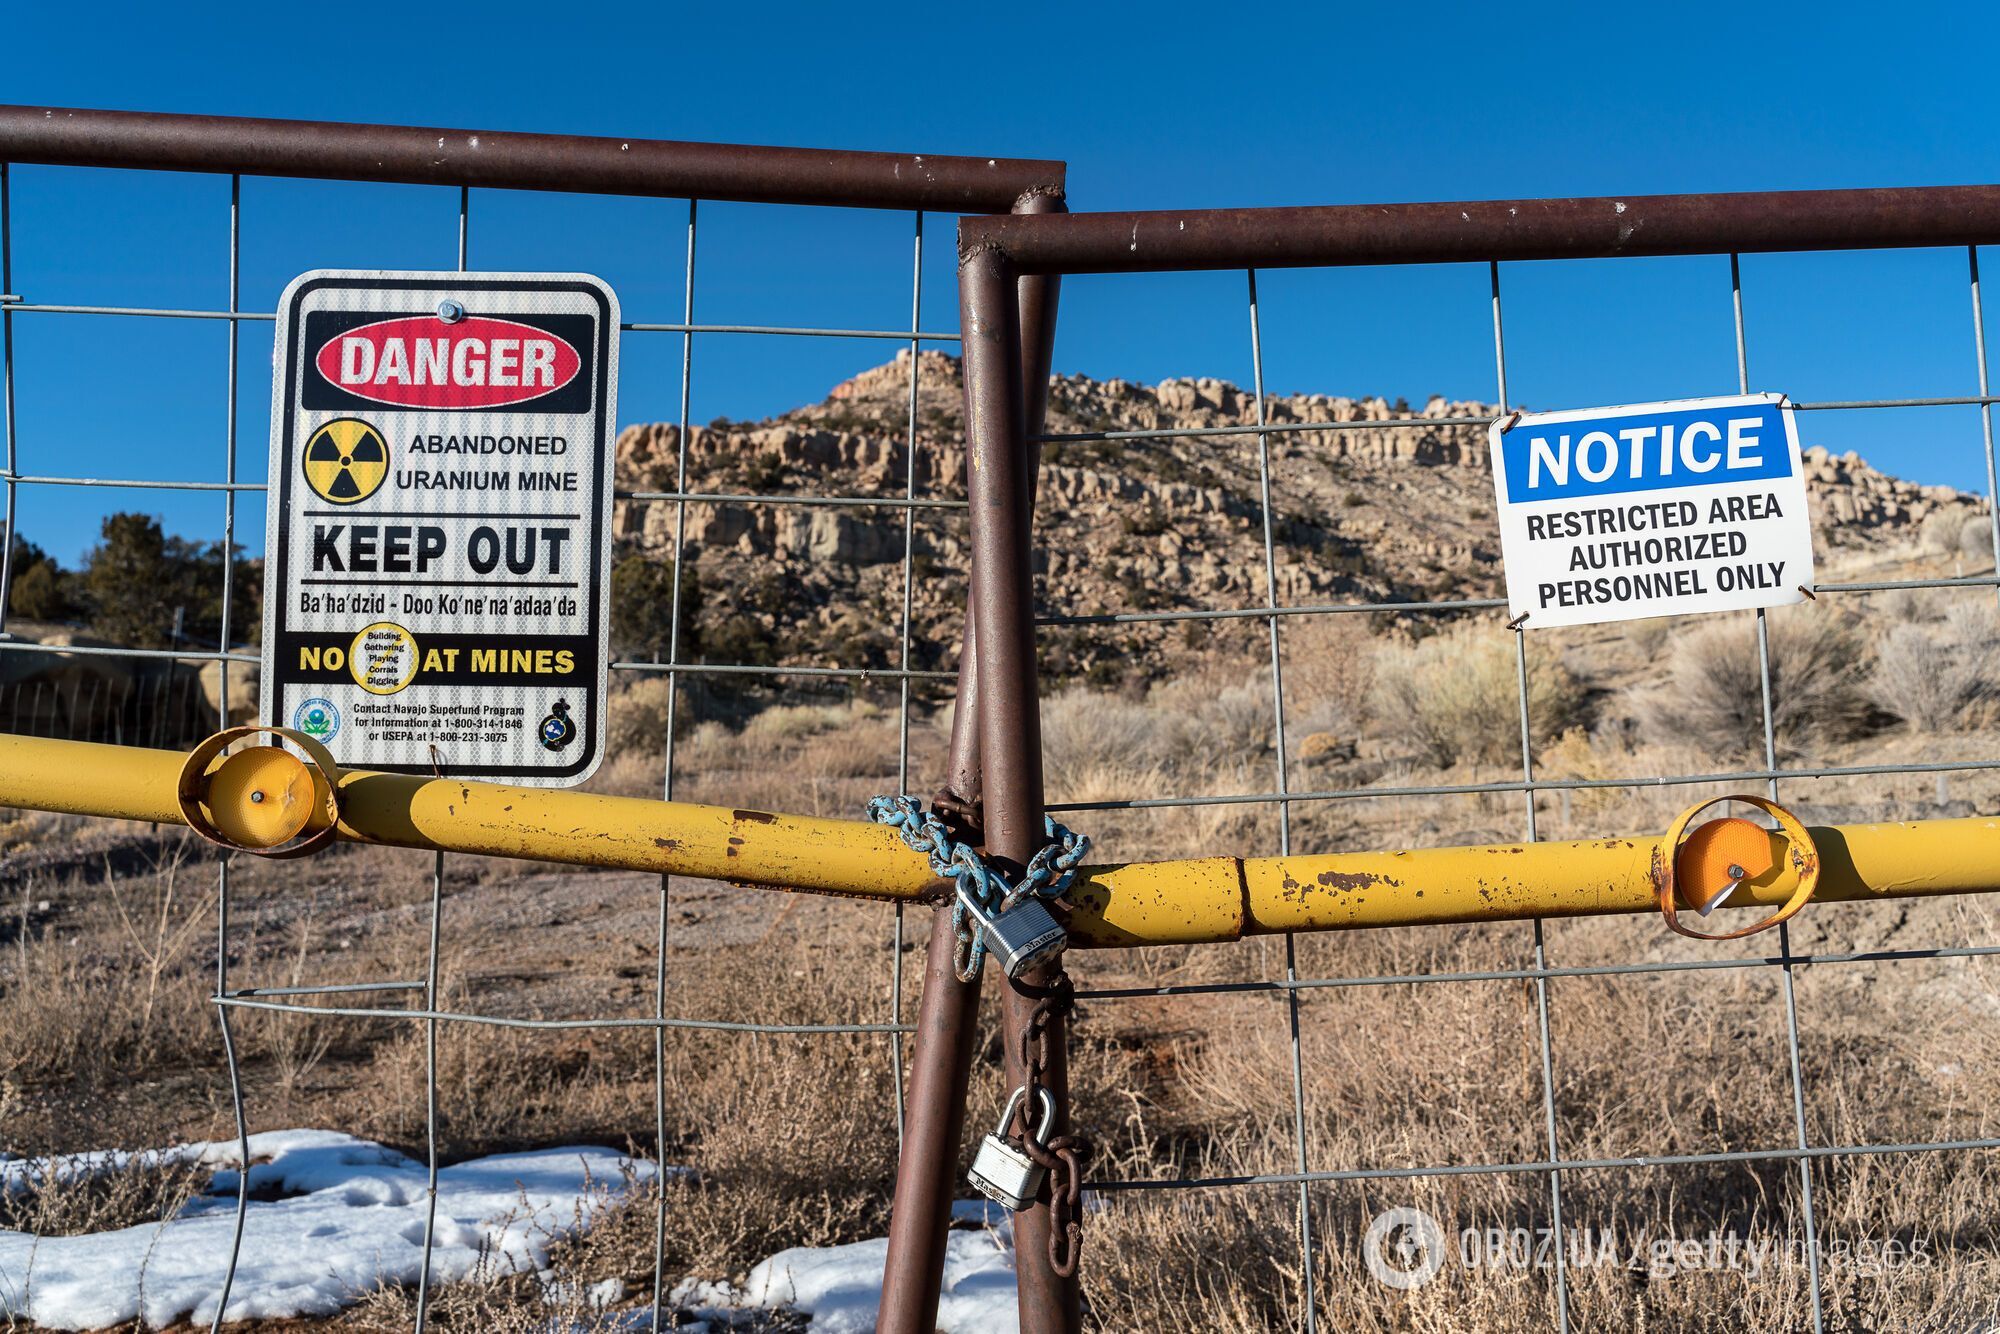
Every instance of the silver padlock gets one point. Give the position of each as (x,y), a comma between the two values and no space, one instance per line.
(1019,936)
(1005,1173)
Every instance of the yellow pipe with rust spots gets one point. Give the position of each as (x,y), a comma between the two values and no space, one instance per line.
(1594,877)
(1141,903)
(489,819)
(1158,903)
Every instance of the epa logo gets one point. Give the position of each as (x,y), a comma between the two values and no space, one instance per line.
(318,719)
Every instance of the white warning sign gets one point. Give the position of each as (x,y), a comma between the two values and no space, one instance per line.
(1655,509)
(437,553)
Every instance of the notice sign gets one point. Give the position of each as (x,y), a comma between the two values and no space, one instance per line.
(437,557)
(1657,509)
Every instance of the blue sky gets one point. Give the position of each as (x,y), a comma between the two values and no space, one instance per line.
(1170,106)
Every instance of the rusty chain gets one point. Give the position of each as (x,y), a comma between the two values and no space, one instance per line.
(1063,1156)
(947,833)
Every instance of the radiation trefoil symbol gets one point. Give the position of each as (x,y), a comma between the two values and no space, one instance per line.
(346,461)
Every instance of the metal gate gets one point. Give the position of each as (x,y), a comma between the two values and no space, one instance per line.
(998,253)
(467,161)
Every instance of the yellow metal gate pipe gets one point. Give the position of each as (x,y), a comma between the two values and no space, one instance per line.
(490,819)
(1593,877)
(1222,898)
(1140,903)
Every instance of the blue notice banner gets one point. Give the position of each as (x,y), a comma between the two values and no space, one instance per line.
(1644,451)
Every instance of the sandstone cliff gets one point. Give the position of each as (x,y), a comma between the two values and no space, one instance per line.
(1359,512)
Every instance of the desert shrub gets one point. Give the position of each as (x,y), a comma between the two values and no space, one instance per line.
(1713,693)
(1908,604)
(797,722)
(740,640)
(1456,697)
(1954,533)
(73,1195)
(1329,676)
(40,593)
(1936,681)
(1199,723)
(1091,738)
(1188,733)
(637,715)
(1975,541)
(642,606)
(1940,533)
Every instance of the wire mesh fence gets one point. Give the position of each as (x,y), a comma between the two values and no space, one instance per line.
(166,709)
(155,696)
(1521,971)
(1547,1144)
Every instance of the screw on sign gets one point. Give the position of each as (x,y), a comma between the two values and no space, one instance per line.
(441,460)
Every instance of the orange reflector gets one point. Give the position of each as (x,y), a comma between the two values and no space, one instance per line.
(1718,856)
(260,797)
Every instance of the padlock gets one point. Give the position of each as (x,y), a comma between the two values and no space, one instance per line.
(1005,1173)
(1021,934)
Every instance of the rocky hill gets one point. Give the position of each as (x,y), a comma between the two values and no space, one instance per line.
(1360,511)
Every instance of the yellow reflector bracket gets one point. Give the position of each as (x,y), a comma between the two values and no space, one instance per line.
(261,799)
(1700,869)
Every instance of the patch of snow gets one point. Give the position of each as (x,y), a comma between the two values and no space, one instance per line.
(840,1287)
(350,1216)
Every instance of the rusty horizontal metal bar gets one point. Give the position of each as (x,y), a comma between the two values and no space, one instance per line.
(423,155)
(1506,229)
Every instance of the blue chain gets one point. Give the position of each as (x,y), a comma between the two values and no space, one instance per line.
(1051,871)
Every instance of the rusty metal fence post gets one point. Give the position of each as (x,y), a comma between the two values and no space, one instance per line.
(941,1055)
(999,486)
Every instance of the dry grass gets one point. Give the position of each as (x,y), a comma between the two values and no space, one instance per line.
(61,1197)
(124,1007)
(106,1037)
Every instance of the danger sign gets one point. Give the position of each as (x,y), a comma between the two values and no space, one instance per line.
(1655,509)
(477,363)
(437,546)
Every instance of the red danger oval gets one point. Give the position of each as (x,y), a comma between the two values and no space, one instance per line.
(419,361)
